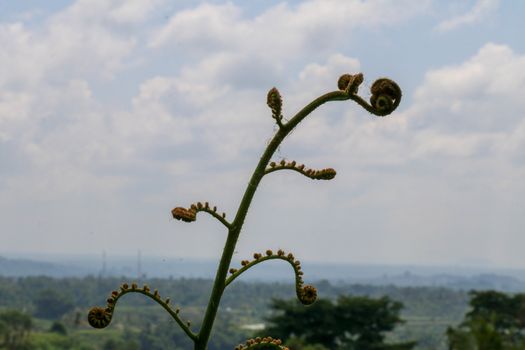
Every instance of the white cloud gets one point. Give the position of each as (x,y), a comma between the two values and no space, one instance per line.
(281,31)
(435,175)
(133,11)
(480,11)
(67,46)
(482,95)
(194,131)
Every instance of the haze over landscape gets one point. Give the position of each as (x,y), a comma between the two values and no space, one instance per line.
(114,112)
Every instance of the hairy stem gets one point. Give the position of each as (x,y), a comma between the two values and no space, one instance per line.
(236,226)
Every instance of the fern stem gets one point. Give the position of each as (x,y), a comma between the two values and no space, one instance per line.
(233,233)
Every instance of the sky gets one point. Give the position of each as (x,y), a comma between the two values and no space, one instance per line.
(114,112)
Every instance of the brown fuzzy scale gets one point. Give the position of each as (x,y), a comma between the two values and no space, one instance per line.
(190,215)
(325,174)
(183,214)
(346,79)
(343,81)
(275,102)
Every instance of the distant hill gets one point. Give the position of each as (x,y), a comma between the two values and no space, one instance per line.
(25,267)
(396,275)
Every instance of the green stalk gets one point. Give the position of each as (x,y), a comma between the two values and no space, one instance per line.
(236,226)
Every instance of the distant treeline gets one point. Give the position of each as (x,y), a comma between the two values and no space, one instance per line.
(24,292)
(428,311)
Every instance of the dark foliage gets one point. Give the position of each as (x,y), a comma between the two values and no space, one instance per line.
(496,321)
(350,323)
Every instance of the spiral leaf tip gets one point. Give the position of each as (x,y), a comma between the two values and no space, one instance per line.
(308,295)
(386,96)
(184,214)
(324,174)
(275,102)
(99,317)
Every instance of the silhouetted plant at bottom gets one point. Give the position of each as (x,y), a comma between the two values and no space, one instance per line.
(385,97)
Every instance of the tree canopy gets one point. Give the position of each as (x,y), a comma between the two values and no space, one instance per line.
(496,321)
(349,323)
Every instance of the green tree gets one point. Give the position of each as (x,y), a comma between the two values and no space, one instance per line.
(15,327)
(496,321)
(121,344)
(299,344)
(350,323)
(52,305)
(58,327)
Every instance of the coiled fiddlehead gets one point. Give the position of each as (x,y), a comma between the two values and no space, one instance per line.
(100,317)
(190,215)
(305,293)
(386,94)
(275,102)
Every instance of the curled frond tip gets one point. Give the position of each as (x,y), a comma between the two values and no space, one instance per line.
(99,317)
(190,214)
(186,215)
(275,102)
(386,96)
(262,343)
(308,295)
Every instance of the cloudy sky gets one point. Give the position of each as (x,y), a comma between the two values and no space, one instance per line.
(113,112)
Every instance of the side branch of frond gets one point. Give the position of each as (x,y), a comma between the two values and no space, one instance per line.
(100,317)
(190,214)
(306,294)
